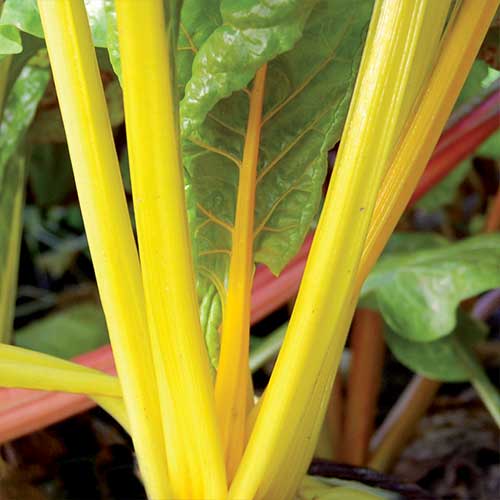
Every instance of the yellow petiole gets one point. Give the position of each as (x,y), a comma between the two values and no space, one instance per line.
(231,396)
(26,369)
(195,457)
(33,370)
(459,49)
(284,435)
(108,228)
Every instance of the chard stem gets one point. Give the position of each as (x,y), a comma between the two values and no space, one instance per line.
(107,224)
(103,389)
(233,369)
(41,371)
(400,424)
(365,377)
(459,49)
(493,217)
(287,426)
(334,419)
(186,396)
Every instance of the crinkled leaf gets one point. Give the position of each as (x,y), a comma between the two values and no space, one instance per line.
(307,95)
(444,193)
(65,334)
(199,18)
(19,110)
(252,33)
(23,16)
(439,359)
(418,292)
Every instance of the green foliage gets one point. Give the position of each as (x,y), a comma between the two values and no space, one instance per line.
(490,148)
(54,237)
(439,359)
(49,162)
(198,20)
(20,107)
(252,33)
(112,36)
(307,95)
(320,488)
(444,193)
(18,15)
(476,82)
(403,242)
(22,16)
(418,292)
(67,333)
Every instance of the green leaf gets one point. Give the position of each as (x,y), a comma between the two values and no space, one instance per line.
(418,292)
(307,95)
(20,107)
(474,85)
(112,37)
(264,349)
(23,16)
(439,359)
(320,488)
(199,18)
(10,41)
(252,33)
(488,393)
(65,334)
(444,193)
(49,162)
(490,148)
(401,242)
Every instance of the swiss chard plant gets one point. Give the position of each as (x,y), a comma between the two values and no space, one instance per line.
(231,109)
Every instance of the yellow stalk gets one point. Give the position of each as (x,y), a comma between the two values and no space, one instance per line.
(231,397)
(103,389)
(36,370)
(108,228)
(457,55)
(285,432)
(195,457)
